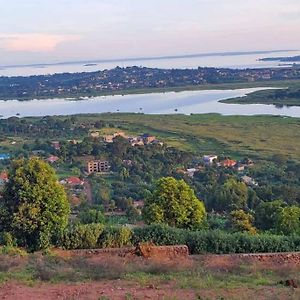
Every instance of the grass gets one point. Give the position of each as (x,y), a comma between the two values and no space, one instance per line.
(133,274)
(238,136)
(269,97)
(189,275)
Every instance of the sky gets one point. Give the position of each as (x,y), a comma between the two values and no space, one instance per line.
(41,31)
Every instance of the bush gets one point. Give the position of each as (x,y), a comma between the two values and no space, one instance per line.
(199,242)
(7,239)
(114,237)
(160,235)
(215,241)
(81,236)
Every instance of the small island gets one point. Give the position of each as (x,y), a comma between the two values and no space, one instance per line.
(282,59)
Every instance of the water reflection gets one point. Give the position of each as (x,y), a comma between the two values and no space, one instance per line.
(197,102)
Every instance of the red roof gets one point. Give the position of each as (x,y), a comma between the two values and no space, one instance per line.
(229,163)
(4,176)
(52,159)
(74,181)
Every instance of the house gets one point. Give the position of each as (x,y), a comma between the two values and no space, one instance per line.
(52,159)
(55,145)
(136,141)
(209,159)
(239,167)
(73,142)
(4,156)
(249,181)
(110,138)
(191,172)
(98,166)
(3,177)
(95,134)
(148,139)
(74,181)
(127,162)
(228,163)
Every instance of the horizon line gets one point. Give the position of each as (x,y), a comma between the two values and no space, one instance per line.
(148,58)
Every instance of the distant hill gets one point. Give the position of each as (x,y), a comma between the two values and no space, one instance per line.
(282,59)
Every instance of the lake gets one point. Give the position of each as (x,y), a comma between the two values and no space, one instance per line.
(197,102)
(222,60)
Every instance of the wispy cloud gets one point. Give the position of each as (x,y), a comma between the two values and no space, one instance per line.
(34,42)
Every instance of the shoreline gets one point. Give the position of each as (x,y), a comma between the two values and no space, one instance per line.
(223,86)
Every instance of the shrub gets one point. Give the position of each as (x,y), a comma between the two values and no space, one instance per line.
(114,237)
(81,236)
(160,235)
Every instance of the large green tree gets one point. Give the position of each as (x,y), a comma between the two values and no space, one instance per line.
(232,195)
(266,214)
(174,203)
(288,221)
(34,205)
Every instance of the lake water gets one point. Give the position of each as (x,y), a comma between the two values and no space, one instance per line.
(241,61)
(197,102)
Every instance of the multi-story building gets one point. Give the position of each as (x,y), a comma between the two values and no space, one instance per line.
(98,166)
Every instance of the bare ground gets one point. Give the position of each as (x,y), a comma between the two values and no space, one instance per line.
(225,266)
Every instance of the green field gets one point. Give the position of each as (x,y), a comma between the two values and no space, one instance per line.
(236,136)
(255,136)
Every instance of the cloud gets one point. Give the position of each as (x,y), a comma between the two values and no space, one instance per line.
(34,42)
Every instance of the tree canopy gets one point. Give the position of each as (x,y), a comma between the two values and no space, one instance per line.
(34,205)
(174,203)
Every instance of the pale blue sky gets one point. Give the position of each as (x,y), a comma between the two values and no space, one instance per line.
(59,30)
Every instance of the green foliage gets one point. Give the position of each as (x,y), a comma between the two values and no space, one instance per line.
(160,235)
(34,204)
(266,217)
(81,236)
(232,195)
(8,240)
(288,220)
(114,237)
(90,216)
(216,242)
(215,221)
(174,203)
(241,221)
(199,242)
(92,236)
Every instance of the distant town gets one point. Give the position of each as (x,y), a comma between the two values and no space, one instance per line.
(132,79)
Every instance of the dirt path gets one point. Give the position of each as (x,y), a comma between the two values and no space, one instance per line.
(117,290)
(89,291)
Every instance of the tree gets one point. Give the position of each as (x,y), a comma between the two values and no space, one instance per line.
(232,195)
(34,206)
(90,216)
(174,203)
(267,214)
(288,220)
(242,221)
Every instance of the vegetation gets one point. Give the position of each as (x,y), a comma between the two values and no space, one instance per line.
(174,203)
(256,212)
(135,80)
(287,96)
(34,206)
(198,278)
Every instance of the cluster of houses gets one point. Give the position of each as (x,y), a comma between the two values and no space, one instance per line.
(227,163)
(141,140)
(213,160)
